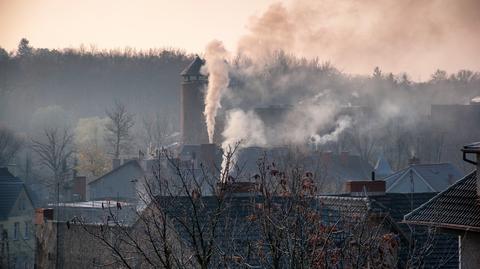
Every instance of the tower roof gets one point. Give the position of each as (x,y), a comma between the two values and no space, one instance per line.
(194,67)
(383,168)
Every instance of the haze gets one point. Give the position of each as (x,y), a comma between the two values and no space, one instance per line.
(355,36)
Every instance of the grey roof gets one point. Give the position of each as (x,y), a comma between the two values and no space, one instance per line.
(98,212)
(333,208)
(128,163)
(10,188)
(436,176)
(194,67)
(444,251)
(455,208)
(337,168)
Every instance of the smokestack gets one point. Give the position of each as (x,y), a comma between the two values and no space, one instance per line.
(473,148)
(192,121)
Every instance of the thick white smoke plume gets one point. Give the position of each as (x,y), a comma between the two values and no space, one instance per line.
(216,68)
(244,127)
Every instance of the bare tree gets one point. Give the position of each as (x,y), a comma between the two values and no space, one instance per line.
(54,152)
(118,129)
(178,229)
(157,130)
(10,144)
(280,222)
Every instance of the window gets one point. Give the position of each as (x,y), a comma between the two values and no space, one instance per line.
(27,231)
(21,204)
(16,230)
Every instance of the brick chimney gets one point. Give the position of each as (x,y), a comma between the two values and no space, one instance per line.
(368,187)
(43,214)
(473,148)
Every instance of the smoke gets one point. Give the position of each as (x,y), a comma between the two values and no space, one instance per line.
(50,117)
(342,124)
(244,127)
(217,69)
(415,36)
(90,131)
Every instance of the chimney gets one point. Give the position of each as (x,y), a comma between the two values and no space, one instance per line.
(368,187)
(473,148)
(414,160)
(43,214)
(115,163)
(79,187)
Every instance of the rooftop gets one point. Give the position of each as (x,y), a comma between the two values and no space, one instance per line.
(455,208)
(194,67)
(426,178)
(10,188)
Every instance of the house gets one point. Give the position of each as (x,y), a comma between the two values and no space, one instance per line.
(64,235)
(17,242)
(121,183)
(330,169)
(456,210)
(423,178)
(388,209)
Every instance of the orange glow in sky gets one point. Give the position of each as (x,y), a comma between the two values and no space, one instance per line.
(186,24)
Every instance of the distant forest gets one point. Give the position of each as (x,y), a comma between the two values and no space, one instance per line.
(85,81)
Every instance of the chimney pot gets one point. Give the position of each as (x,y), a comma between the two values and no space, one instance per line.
(414,160)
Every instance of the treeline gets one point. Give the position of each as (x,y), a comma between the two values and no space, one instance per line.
(85,81)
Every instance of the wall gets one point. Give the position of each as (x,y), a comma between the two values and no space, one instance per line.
(20,252)
(469,250)
(121,183)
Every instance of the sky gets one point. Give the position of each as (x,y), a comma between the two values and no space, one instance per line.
(413,36)
(143,24)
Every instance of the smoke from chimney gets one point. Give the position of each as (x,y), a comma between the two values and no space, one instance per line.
(216,68)
(359,35)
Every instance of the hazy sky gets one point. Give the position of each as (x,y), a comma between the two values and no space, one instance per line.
(413,36)
(187,24)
